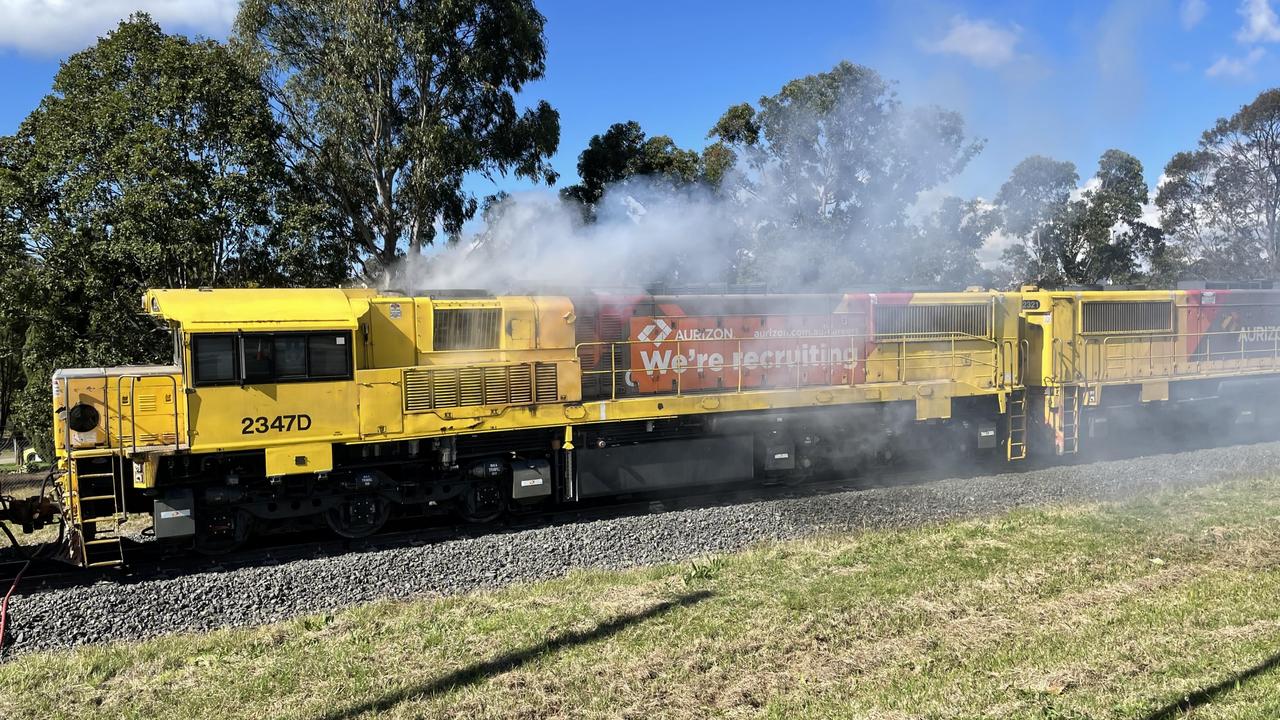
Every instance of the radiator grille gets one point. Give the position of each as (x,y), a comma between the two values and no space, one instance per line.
(611,327)
(585,332)
(584,328)
(467,329)
(429,389)
(939,321)
(547,383)
(1119,316)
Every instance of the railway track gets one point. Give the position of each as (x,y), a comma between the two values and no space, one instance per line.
(150,561)
(271,584)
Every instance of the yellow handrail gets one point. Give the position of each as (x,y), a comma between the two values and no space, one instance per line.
(989,357)
(1192,363)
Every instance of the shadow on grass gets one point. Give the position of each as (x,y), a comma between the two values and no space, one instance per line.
(480,671)
(1179,708)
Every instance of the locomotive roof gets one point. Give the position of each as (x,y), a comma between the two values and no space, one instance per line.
(229,309)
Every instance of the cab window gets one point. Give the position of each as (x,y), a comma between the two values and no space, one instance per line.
(215,359)
(328,356)
(291,356)
(258,358)
(262,358)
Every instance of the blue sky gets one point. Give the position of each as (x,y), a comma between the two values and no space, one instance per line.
(1065,79)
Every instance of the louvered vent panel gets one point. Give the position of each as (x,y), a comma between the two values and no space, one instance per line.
(145,438)
(1118,316)
(462,387)
(417,390)
(495,386)
(611,327)
(548,390)
(521,384)
(584,328)
(932,322)
(585,332)
(444,387)
(145,403)
(467,328)
(471,387)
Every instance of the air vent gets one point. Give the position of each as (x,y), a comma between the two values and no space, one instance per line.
(434,388)
(611,327)
(1119,316)
(931,322)
(467,329)
(548,387)
(584,328)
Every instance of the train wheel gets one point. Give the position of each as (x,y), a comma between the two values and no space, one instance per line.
(223,530)
(359,516)
(482,503)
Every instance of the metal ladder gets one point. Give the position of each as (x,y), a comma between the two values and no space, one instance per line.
(1070,419)
(1016,447)
(99,497)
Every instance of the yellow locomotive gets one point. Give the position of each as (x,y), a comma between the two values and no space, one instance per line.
(349,406)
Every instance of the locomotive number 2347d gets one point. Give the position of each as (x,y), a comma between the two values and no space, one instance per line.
(281,423)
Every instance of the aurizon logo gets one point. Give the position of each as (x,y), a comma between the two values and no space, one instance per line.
(656,331)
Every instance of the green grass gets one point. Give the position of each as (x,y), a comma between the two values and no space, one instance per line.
(1110,611)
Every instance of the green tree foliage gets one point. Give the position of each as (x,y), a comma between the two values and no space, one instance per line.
(941,250)
(1033,207)
(838,161)
(153,163)
(390,104)
(1096,238)
(1107,240)
(624,151)
(15,274)
(1221,202)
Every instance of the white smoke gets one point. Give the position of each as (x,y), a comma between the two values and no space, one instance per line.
(644,232)
(833,213)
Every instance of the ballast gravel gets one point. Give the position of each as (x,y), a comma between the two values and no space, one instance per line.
(255,595)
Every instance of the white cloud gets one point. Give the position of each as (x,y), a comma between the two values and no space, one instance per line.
(991,254)
(1192,12)
(1090,185)
(1260,22)
(1235,67)
(1151,213)
(982,42)
(57,27)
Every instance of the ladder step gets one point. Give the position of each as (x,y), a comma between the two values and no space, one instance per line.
(97,497)
(96,475)
(106,563)
(103,541)
(104,518)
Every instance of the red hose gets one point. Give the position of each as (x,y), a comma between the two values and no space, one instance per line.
(4,606)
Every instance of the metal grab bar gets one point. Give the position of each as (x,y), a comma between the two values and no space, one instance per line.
(133,410)
(1193,362)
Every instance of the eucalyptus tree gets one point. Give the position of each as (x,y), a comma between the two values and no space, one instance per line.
(1220,202)
(153,162)
(390,105)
